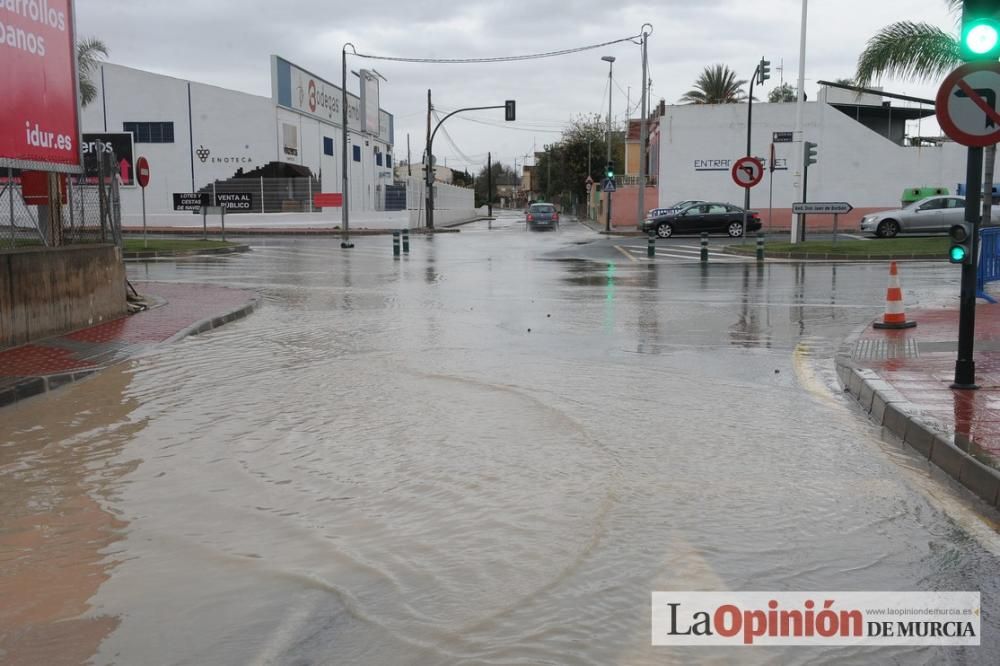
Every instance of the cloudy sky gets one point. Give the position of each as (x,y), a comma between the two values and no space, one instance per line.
(229,43)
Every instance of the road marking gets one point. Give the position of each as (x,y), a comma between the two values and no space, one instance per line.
(725,258)
(630,257)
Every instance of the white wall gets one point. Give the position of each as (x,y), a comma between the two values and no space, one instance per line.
(855,164)
(237,129)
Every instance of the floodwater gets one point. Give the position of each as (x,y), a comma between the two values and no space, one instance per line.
(488,452)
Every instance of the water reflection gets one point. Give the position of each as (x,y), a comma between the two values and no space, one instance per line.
(57,535)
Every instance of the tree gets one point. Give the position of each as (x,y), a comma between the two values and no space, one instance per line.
(717,84)
(562,169)
(89,53)
(783,93)
(918,51)
(502,175)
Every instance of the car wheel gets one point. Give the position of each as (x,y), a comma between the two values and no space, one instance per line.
(664,230)
(888,229)
(735,229)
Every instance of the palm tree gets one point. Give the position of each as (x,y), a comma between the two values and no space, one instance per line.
(717,84)
(89,53)
(921,52)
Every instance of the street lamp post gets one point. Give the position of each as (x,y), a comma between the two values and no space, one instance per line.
(611,63)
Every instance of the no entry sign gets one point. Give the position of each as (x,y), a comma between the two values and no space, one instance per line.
(966,104)
(142,172)
(747,171)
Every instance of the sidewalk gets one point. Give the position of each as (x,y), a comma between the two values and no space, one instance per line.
(176,310)
(902,377)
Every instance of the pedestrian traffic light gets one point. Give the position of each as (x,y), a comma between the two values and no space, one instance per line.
(610,170)
(960,251)
(810,153)
(763,71)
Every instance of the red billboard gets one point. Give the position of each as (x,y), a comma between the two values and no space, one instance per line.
(39,128)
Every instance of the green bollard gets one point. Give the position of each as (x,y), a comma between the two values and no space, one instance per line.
(704,247)
(760,246)
(651,246)
(406,241)
(395,243)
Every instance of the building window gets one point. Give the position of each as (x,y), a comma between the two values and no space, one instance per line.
(378,159)
(388,161)
(150,132)
(327,145)
(357,153)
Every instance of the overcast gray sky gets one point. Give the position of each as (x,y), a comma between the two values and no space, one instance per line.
(229,42)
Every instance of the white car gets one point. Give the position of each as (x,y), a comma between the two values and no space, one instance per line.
(930,215)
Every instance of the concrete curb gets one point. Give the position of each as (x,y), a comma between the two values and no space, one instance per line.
(143,255)
(215,322)
(925,435)
(825,256)
(237,232)
(32,386)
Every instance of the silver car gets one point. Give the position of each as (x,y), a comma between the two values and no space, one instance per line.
(930,215)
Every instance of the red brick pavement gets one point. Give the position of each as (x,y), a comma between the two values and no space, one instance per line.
(924,380)
(180,307)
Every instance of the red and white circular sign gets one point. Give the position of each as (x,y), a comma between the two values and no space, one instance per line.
(967,104)
(747,171)
(142,172)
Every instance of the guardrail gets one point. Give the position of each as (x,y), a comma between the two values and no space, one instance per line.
(989,261)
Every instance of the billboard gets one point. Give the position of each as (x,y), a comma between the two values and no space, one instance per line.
(117,144)
(299,90)
(369,102)
(39,127)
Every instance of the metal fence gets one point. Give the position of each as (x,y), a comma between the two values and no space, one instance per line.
(90,212)
(270,195)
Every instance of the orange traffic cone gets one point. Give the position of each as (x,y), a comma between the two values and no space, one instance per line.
(894,316)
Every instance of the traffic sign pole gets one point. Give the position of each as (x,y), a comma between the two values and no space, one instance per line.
(145,243)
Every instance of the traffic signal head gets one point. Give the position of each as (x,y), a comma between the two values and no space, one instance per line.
(810,153)
(763,71)
(960,249)
(509,109)
(980,30)
(610,170)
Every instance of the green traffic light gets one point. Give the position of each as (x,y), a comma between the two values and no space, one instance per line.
(982,38)
(957,254)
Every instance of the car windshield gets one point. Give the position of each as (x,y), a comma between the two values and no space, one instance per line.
(537,208)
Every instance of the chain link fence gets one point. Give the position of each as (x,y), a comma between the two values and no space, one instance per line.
(90,211)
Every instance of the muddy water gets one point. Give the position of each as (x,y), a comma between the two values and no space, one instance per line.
(384,465)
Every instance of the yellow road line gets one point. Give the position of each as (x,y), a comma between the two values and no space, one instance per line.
(627,254)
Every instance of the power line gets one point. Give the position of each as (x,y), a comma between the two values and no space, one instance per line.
(532,56)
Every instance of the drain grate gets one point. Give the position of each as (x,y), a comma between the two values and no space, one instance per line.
(874,349)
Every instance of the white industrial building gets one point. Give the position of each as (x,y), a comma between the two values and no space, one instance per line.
(282,149)
(863,156)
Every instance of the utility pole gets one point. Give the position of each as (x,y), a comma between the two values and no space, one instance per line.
(345,241)
(489,184)
(799,103)
(429,168)
(643,130)
(409,160)
(611,63)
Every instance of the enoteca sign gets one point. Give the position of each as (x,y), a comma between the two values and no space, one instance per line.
(39,127)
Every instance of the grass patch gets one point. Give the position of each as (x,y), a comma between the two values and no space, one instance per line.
(173,244)
(930,247)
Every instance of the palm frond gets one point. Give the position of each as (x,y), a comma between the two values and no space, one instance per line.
(89,53)
(907,50)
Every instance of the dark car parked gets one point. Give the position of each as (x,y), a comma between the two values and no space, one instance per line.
(542,216)
(702,217)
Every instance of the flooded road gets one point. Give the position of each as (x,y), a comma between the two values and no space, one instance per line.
(490,451)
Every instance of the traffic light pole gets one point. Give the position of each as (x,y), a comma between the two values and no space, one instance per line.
(746,190)
(965,366)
